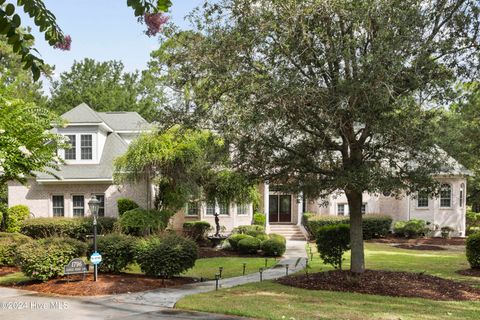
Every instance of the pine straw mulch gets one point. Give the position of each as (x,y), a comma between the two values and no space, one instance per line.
(7,270)
(106,284)
(386,283)
(470,272)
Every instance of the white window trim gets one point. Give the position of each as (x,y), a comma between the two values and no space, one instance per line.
(247,209)
(451,198)
(104,202)
(461,193)
(84,205)
(64,204)
(199,209)
(345,206)
(422,208)
(78,148)
(217,209)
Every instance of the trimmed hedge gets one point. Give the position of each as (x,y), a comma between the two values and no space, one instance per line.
(45,259)
(277,237)
(8,246)
(249,245)
(251,230)
(124,205)
(374,225)
(167,256)
(117,251)
(412,228)
(235,238)
(141,222)
(473,250)
(332,242)
(15,216)
(76,228)
(273,247)
(259,219)
(197,230)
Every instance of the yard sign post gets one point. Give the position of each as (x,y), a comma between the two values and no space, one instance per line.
(96,258)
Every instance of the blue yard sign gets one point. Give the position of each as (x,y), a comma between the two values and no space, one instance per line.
(95,258)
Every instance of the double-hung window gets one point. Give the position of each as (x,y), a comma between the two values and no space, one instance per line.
(422,200)
(341,209)
(242,209)
(101,208)
(71,153)
(445,196)
(58,206)
(193,208)
(78,204)
(86,147)
(364,208)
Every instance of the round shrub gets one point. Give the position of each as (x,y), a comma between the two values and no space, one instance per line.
(124,205)
(262,237)
(273,247)
(45,259)
(249,245)
(235,238)
(79,247)
(277,237)
(473,250)
(141,222)
(15,216)
(251,230)
(167,256)
(8,246)
(411,229)
(259,219)
(117,252)
(332,242)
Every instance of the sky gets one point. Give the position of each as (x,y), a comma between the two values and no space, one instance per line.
(102,30)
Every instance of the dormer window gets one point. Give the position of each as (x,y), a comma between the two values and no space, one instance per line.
(86,147)
(71,154)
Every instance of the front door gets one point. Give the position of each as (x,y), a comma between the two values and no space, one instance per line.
(280,208)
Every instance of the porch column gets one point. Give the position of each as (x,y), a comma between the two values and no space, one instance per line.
(266,198)
(300,208)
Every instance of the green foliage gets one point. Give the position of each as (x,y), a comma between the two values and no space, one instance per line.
(197,230)
(235,238)
(45,259)
(274,247)
(259,219)
(249,245)
(8,247)
(374,225)
(117,251)
(412,228)
(79,247)
(473,250)
(332,242)
(104,86)
(141,222)
(472,221)
(251,230)
(76,228)
(277,237)
(167,256)
(15,217)
(125,205)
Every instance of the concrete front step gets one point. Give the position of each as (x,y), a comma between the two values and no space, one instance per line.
(290,232)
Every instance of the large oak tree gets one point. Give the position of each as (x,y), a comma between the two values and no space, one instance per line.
(325,95)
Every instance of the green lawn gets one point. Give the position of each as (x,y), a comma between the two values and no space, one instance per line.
(269,300)
(232,267)
(13,278)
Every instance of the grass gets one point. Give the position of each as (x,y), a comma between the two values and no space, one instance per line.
(269,300)
(232,267)
(13,278)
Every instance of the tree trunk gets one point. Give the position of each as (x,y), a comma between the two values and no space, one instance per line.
(357,261)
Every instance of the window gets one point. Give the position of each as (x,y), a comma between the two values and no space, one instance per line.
(224,208)
(58,206)
(422,200)
(242,209)
(462,192)
(101,207)
(78,206)
(210,208)
(341,209)
(192,209)
(445,196)
(71,153)
(86,149)
(364,208)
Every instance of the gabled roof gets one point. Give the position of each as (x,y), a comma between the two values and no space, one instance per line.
(82,114)
(124,121)
(114,147)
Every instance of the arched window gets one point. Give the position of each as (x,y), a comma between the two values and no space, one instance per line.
(446,196)
(462,194)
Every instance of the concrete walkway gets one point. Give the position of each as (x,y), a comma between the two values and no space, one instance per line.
(155,304)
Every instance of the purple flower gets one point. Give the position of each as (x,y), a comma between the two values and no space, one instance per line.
(65,44)
(154,22)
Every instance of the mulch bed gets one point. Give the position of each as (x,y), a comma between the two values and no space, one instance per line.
(106,284)
(386,283)
(469,272)
(7,270)
(419,247)
(455,241)
(207,252)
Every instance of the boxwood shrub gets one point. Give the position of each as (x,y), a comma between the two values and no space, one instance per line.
(8,246)
(76,228)
(235,238)
(332,242)
(249,245)
(197,230)
(45,259)
(124,205)
(412,228)
(273,247)
(374,225)
(251,230)
(141,222)
(473,250)
(117,251)
(166,256)
(259,219)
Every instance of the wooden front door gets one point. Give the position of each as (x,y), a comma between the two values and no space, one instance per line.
(280,208)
